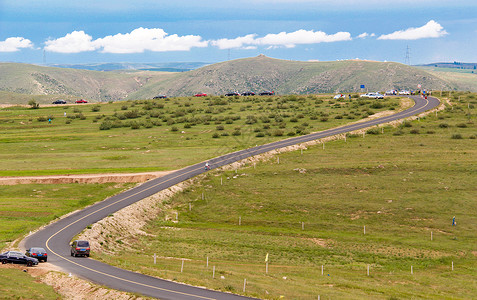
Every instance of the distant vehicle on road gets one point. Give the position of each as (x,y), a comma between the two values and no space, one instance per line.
(15,257)
(267,93)
(81,101)
(404,92)
(372,95)
(339,96)
(38,253)
(59,101)
(200,95)
(391,92)
(232,94)
(249,93)
(80,248)
(160,97)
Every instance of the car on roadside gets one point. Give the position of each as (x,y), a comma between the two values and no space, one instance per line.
(80,248)
(372,96)
(14,257)
(59,101)
(200,95)
(404,92)
(339,96)
(160,97)
(38,253)
(232,94)
(249,93)
(81,101)
(267,93)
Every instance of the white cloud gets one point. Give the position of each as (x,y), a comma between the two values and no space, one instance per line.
(137,41)
(365,35)
(14,44)
(75,42)
(290,40)
(282,39)
(238,42)
(431,30)
(154,39)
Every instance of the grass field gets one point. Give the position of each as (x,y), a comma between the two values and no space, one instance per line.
(15,284)
(160,135)
(401,187)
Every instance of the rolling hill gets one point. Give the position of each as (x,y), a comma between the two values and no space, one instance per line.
(28,79)
(256,74)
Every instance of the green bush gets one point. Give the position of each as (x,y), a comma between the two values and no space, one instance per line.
(215,135)
(236,133)
(443,125)
(106,125)
(456,136)
(174,128)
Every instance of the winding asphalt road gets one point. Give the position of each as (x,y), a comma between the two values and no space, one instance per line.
(57,236)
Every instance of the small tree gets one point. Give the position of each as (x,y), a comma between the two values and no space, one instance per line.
(33,104)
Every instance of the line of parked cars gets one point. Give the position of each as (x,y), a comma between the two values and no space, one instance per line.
(36,254)
(61,101)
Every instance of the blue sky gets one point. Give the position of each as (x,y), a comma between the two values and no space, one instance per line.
(211,31)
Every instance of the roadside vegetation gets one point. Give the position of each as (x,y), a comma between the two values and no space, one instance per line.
(156,135)
(375,201)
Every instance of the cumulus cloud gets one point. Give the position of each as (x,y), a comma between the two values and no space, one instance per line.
(365,35)
(75,42)
(290,40)
(14,44)
(431,30)
(137,41)
(282,39)
(238,42)
(154,39)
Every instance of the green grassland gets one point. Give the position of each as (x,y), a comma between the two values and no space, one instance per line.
(151,135)
(19,285)
(403,185)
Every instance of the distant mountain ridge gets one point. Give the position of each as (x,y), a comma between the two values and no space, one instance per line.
(453,65)
(249,74)
(165,67)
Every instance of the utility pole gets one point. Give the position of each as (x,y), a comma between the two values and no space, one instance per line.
(407,60)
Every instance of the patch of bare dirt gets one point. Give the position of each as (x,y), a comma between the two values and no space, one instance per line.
(83,178)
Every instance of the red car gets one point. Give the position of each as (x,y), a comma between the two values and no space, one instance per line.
(81,101)
(200,95)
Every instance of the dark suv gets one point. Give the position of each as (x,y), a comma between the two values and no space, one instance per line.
(80,248)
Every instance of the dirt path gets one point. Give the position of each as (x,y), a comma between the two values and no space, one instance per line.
(84,178)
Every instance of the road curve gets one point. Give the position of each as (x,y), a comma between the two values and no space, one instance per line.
(57,236)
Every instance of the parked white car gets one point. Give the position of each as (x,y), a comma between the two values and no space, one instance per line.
(339,96)
(372,95)
(404,92)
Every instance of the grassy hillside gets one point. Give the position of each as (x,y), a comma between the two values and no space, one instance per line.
(462,79)
(294,77)
(403,186)
(92,85)
(256,74)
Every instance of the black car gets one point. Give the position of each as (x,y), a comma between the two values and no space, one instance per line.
(38,253)
(232,94)
(15,257)
(160,97)
(267,93)
(248,94)
(59,101)
(80,248)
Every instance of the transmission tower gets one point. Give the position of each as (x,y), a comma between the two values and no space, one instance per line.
(407,60)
